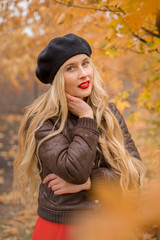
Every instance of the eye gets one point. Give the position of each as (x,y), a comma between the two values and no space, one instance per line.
(85,63)
(70,68)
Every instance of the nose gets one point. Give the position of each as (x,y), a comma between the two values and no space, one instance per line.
(82,72)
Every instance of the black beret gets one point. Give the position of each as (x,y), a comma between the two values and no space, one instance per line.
(57,52)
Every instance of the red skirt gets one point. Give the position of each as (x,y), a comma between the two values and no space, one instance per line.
(46,230)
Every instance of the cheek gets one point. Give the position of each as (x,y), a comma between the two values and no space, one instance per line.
(69,82)
(91,74)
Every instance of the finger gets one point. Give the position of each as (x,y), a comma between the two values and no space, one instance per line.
(49,177)
(71,97)
(55,187)
(59,192)
(54,182)
(68,96)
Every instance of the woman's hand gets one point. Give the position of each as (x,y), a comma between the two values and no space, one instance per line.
(79,107)
(60,186)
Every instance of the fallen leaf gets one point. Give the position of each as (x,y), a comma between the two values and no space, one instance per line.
(12,117)
(7,198)
(10,231)
(1,180)
(20,219)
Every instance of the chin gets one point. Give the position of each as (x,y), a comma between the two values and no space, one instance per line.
(85,94)
(82,96)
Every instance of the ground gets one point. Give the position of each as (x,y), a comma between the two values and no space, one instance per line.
(16,222)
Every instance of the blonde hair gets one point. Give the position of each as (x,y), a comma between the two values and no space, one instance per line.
(111,140)
(53,104)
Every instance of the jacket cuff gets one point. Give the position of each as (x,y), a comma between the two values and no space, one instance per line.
(89,123)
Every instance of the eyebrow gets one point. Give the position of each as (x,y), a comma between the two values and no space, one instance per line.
(71,64)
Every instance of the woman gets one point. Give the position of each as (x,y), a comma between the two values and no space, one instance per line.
(76,136)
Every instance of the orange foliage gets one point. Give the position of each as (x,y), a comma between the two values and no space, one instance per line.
(119,24)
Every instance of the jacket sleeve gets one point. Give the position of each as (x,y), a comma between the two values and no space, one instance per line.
(71,161)
(128,142)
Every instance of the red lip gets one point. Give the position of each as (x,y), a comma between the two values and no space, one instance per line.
(83,87)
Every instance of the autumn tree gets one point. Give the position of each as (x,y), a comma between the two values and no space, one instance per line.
(114,28)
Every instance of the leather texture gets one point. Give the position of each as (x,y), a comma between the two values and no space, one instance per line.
(73,156)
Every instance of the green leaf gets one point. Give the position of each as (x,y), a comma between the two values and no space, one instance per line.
(103,45)
(150,44)
(112,52)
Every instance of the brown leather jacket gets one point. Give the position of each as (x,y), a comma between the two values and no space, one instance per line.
(73,156)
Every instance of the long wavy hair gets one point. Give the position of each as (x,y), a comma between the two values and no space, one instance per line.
(53,103)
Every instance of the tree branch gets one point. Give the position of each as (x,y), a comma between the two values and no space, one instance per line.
(115,10)
(151,32)
(154,50)
(134,51)
(91,8)
(141,39)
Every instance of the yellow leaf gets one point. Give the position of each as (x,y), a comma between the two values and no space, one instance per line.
(112,52)
(61,18)
(150,105)
(134,20)
(110,33)
(123,105)
(125,94)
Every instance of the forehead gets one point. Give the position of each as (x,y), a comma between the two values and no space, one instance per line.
(76,59)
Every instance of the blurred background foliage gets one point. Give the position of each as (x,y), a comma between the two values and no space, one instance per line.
(125,39)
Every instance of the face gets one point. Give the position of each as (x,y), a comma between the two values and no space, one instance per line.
(78,76)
